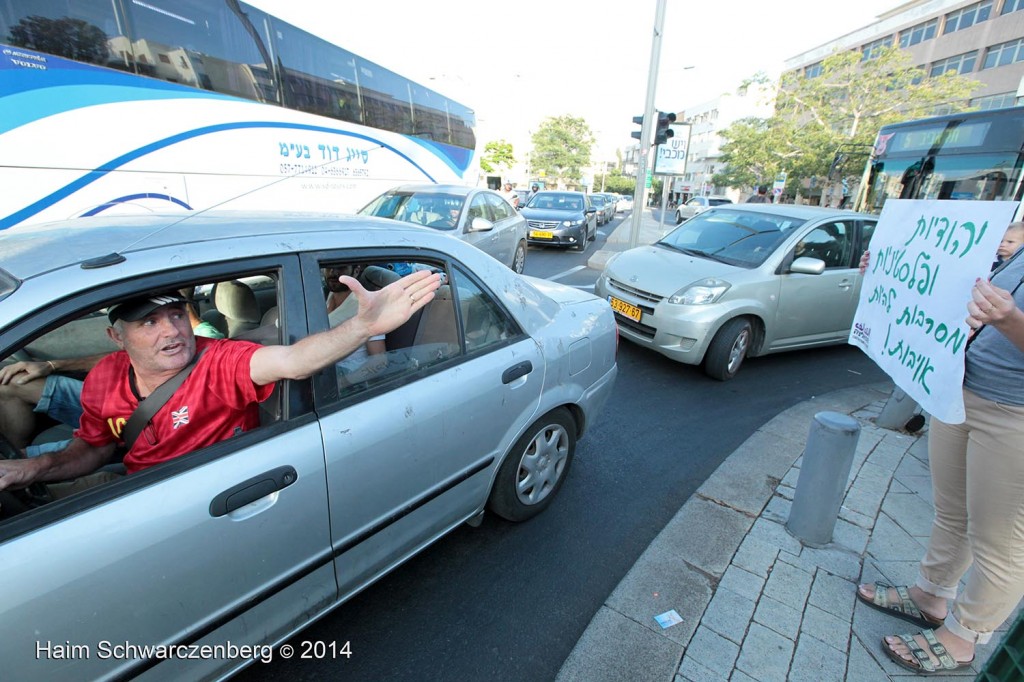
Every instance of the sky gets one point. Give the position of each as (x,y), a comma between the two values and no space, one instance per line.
(517,63)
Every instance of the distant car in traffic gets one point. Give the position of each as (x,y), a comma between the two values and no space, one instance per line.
(739,281)
(605,208)
(477,403)
(698,204)
(560,218)
(624,204)
(476,215)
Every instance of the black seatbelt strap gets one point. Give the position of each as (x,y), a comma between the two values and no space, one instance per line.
(152,404)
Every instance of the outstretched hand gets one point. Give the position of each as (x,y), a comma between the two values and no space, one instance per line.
(383,311)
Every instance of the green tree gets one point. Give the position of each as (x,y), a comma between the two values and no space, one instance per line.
(840,109)
(561,148)
(497,155)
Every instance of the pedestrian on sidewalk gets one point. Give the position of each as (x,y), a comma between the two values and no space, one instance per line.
(977,470)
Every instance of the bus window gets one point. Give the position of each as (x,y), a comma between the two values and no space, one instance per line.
(317,76)
(83,30)
(385,98)
(430,117)
(203,45)
(966,176)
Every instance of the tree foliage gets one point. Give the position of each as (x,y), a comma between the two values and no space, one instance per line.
(561,148)
(497,155)
(840,110)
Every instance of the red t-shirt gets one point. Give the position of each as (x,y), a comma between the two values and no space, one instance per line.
(216,400)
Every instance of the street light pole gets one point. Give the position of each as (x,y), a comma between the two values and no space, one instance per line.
(646,133)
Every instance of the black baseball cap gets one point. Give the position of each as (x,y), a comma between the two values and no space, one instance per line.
(135,309)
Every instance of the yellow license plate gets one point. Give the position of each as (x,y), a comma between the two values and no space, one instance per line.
(542,234)
(623,308)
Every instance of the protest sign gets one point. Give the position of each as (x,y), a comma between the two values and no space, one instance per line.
(925,258)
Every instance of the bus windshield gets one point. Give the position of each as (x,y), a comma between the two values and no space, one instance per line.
(971,156)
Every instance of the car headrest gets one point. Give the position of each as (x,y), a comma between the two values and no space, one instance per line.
(375,277)
(237,301)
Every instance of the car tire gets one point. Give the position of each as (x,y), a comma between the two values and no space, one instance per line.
(519,259)
(535,468)
(581,245)
(728,349)
(679,218)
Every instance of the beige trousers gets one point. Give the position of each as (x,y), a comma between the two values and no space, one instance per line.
(978,484)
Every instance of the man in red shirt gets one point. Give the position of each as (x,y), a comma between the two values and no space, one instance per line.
(219,397)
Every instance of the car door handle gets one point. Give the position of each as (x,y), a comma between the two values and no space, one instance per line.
(253,489)
(516,371)
(845,284)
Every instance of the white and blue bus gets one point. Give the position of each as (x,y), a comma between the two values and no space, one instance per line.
(156,105)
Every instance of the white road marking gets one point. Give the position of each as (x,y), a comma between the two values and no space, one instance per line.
(567,272)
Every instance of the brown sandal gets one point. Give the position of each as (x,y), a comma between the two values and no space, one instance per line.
(922,663)
(905,608)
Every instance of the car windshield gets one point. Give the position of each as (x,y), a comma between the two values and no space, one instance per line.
(557,202)
(436,210)
(743,238)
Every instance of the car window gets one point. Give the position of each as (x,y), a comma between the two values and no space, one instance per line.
(867,228)
(478,209)
(500,209)
(719,202)
(696,201)
(832,243)
(242,307)
(462,319)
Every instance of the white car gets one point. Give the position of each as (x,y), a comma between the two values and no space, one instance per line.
(697,205)
(624,204)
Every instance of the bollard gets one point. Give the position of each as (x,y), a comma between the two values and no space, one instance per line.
(828,458)
(898,411)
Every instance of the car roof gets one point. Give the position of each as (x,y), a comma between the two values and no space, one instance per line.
(31,250)
(429,188)
(793,210)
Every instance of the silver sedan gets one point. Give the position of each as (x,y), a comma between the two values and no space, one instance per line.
(477,403)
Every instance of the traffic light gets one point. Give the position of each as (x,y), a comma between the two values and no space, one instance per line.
(639,120)
(662,132)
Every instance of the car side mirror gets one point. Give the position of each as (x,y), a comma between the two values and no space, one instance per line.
(805,265)
(483,225)
(591,210)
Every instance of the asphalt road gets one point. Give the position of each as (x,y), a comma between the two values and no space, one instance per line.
(508,601)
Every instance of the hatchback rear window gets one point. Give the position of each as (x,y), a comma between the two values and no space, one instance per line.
(719,202)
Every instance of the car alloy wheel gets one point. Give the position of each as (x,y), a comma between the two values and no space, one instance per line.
(519,260)
(535,468)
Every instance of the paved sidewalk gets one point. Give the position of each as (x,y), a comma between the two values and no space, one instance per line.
(755,604)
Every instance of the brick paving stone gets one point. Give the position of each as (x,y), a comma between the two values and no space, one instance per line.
(742,582)
(910,512)
(765,654)
(788,584)
(834,594)
(856,518)
(815,661)
(890,541)
(862,666)
(755,556)
(850,536)
(728,614)
(691,671)
(864,500)
(911,466)
(823,626)
(777,616)
(778,509)
(834,559)
(712,651)
(740,676)
(775,534)
(888,455)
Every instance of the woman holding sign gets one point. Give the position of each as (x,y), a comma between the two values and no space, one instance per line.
(977,472)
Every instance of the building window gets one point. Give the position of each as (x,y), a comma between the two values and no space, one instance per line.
(1012,6)
(871,50)
(920,33)
(1004,53)
(962,63)
(814,70)
(1001,101)
(967,16)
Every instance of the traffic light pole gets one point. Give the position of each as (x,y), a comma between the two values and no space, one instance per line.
(646,134)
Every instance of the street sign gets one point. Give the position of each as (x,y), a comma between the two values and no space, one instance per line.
(671,158)
(780,183)
(647,180)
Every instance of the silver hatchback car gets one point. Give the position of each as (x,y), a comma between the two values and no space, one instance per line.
(739,281)
(475,404)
